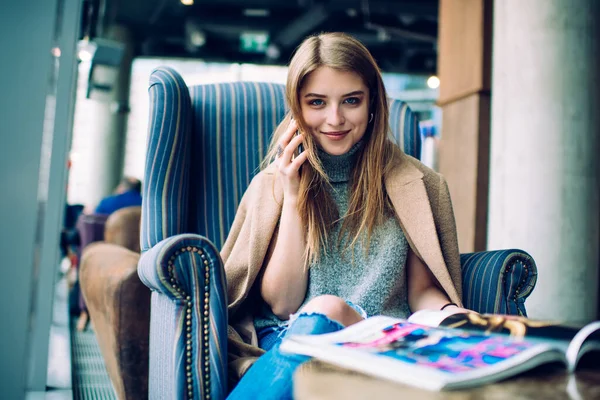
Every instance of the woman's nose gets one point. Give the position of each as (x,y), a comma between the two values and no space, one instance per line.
(335,116)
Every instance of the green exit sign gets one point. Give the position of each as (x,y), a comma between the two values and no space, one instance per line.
(254,42)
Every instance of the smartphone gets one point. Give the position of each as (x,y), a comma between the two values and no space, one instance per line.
(300,147)
(299,150)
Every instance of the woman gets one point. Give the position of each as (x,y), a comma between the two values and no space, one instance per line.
(348,228)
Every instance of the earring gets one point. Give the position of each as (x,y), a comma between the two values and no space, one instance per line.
(371,118)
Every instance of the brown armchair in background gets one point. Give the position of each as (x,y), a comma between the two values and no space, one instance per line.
(123,228)
(118,303)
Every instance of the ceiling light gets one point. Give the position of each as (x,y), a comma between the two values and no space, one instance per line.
(187,2)
(433,82)
(86,50)
(198,38)
(256,12)
(195,37)
(383,35)
(407,19)
(273,52)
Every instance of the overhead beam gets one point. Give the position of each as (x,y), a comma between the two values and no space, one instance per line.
(404,33)
(293,33)
(422,8)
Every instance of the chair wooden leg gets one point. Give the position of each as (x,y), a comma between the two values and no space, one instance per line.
(82,321)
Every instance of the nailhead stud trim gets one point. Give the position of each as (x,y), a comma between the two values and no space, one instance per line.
(521,283)
(188,324)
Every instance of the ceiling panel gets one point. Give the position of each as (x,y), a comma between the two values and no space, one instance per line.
(401,34)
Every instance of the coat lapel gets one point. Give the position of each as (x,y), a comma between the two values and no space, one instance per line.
(408,195)
(264,220)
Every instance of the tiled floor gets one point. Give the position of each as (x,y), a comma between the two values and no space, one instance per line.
(90,379)
(59,352)
(59,356)
(75,366)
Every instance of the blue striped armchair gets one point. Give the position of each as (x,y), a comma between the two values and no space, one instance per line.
(205,144)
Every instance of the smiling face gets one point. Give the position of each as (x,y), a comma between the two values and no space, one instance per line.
(335,107)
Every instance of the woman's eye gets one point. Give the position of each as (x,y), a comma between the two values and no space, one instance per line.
(352,100)
(316,102)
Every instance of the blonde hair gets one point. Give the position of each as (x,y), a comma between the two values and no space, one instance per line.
(368,199)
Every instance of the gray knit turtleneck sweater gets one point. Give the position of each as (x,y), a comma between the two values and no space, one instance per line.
(375,281)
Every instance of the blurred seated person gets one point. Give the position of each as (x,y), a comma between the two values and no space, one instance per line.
(128,193)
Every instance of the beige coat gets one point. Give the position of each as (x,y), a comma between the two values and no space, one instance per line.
(422,203)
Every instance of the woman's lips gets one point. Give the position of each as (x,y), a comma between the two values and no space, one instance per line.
(339,135)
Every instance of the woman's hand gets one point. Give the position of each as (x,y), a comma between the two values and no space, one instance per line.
(288,165)
(285,278)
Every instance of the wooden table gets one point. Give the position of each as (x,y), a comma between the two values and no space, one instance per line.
(316,381)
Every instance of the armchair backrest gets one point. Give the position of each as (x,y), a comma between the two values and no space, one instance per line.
(205,145)
(123,228)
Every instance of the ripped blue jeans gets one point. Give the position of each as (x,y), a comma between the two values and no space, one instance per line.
(271,375)
(268,337)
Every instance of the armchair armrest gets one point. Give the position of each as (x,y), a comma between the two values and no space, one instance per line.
(119,306)
(188,323)
(498,281)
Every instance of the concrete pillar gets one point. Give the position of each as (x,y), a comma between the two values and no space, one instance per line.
(27,33)
(53,173)
(544,172)
(465,41)
(100,128)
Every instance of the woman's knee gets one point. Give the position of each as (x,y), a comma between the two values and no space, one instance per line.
(334,308)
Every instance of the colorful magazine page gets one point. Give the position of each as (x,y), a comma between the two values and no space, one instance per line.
(423,356)
(575,340)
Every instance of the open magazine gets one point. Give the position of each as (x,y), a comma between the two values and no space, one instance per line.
(437,350)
